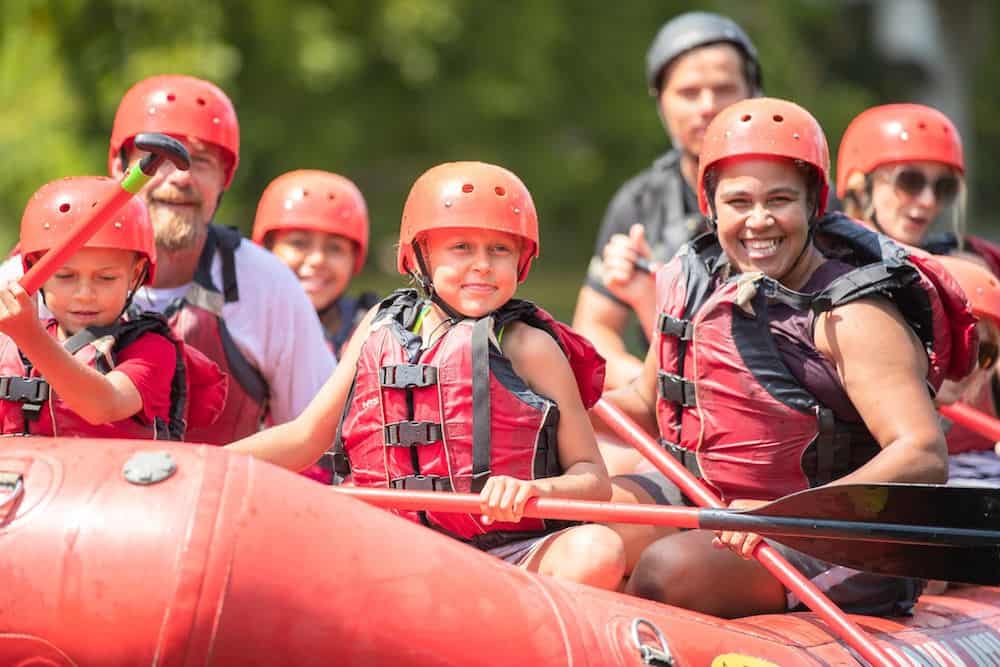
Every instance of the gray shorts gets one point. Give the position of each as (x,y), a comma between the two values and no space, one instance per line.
(520,552)
(853,591)
(974,469)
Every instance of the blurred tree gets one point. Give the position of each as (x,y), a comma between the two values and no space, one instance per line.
(380,90)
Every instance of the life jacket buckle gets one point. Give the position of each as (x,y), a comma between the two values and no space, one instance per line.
(407,376)
(407,434)
(421,483)
(674,326)
(676,389)
(24,390)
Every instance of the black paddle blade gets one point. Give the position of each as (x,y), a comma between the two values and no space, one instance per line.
(961,524)
(969,565)
(948,507)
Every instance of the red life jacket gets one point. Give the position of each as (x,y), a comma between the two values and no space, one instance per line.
(28,405)
(961,439)
(447,417)
(730,409)
(196,318)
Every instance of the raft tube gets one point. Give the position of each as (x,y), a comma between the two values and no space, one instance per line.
(118,552)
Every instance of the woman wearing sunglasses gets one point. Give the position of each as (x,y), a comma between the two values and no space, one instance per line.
(900,167)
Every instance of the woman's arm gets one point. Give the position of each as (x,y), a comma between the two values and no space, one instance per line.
(637,399)
(297,444)
(883,367)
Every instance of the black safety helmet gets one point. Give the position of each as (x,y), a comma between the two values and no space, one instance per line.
(695,29)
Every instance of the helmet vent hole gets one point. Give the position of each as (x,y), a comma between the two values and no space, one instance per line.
(201,101)
(331,196)
(500,191)
(305,193)
(922,125)
(746,118)
(171,97)
(93,204)
(64,207)
(777,118)
(468,187)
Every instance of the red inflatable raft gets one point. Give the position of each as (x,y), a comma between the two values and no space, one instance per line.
(139,553)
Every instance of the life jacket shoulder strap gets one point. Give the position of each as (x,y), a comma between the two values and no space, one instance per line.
(586,362)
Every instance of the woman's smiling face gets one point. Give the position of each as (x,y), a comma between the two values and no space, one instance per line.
(762,209)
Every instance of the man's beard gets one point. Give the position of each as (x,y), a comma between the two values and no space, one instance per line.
(175,230)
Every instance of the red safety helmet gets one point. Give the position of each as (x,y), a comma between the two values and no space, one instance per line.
(61,205)
(315,200)
(178,105)
(469,195)
(980,286)
(897,133)
(765,127)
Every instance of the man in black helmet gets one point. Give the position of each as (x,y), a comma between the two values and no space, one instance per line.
(699,63)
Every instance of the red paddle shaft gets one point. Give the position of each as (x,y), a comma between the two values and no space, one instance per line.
(972,419)
(161,148)
(765,554)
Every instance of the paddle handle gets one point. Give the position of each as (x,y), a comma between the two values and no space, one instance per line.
(540,508)
(972,419)
(766,555)
(161,148)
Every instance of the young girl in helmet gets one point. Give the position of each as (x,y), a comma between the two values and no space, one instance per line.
(86,371)
(765,376)
(317,223)
(900,167)
(461,387)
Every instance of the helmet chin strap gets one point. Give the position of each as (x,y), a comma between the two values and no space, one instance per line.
(424,284)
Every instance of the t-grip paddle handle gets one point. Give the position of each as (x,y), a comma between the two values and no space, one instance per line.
(161,148)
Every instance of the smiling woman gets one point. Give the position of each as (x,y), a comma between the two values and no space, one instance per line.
(764,373)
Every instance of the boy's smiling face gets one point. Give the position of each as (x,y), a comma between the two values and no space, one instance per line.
(473,270)
(91,288)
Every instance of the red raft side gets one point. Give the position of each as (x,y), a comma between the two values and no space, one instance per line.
(230,561)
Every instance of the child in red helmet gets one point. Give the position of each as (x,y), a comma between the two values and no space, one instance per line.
(316,222)
(86,371)
(461,387)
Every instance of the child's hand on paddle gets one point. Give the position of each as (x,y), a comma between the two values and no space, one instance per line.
(18,312)
(503,498)
(742,543)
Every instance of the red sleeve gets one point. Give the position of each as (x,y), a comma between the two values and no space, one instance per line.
(149,362)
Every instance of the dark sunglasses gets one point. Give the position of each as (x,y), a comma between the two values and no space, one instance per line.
(988,353)
(913,181)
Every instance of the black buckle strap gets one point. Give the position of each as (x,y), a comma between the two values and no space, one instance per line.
(407,376)
(406,434)
(686,457)
(676,389)
(421,483)
(24,390)
(669,325)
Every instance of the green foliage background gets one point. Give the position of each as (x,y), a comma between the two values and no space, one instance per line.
(379,90)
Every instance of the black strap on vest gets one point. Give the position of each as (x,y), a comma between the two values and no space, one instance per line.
(482,444)
(223,240)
